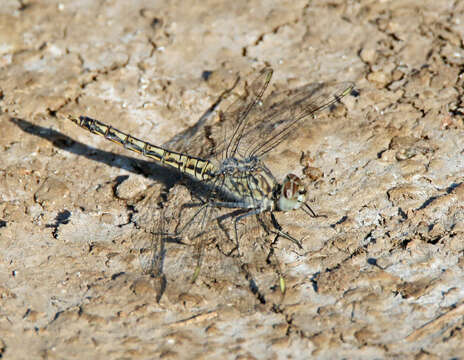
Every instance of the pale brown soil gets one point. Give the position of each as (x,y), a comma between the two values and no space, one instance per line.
(380,276)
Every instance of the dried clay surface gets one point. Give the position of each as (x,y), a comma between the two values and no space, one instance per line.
(379,275)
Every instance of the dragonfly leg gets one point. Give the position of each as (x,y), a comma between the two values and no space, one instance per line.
(278,230)
(307,209)
(190,221)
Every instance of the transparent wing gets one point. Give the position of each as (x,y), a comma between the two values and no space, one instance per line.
(239,112)
(254,125)
(207,140)
(281,113)
(195,140)
(151,256)
(227,135)
(152,252)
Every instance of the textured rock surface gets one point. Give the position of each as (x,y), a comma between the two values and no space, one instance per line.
(381,275)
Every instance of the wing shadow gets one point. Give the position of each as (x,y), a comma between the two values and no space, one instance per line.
(148,169)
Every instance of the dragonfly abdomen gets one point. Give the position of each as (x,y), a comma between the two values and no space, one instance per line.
(198,168)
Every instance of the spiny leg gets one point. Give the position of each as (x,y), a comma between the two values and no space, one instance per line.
(204,211)
(278,230)
(272,254)
(271,258)
(207,208)
(189,223)
(307,209)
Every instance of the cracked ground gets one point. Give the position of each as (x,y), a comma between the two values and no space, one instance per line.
(379,275)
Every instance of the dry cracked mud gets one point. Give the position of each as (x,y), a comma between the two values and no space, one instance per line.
(381,275)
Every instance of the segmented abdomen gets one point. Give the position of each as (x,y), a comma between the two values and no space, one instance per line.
(196,167)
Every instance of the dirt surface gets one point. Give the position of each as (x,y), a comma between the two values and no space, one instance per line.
(381,275)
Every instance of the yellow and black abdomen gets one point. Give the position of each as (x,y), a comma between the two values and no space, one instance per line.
(198,168)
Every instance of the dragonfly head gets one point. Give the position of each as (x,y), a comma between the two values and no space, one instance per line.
(292,194)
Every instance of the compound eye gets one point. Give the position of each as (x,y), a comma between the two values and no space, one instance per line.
(293,187)
(292,193)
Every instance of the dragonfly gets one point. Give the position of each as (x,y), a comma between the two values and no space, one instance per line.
(234,174)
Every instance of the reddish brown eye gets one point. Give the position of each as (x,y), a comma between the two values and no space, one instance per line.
(293,187)
(288,189)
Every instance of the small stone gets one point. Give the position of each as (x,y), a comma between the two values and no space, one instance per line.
(130,188)
(412,167)
(459,192)
(142,287)
(313,173)
(379,77)
(107,218)
(212,330)
(387,156)
(52,194)
(406,196)
(437,230)
(368,55)
(397,75)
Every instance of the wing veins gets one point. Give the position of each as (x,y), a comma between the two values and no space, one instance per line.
(308,110)
(239,129)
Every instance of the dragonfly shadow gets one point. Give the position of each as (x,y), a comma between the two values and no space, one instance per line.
(149,169)
(154,265)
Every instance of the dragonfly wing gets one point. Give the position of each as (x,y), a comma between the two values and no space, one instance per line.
(235,120)
(151,248)
(283,112)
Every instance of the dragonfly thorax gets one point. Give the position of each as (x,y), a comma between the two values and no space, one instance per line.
(248,182)
(233,166)
(292,194)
